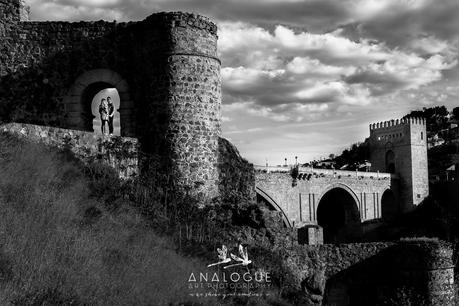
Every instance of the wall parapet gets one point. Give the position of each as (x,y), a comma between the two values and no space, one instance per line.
(181,19)
(304,171)
(121,153)
(397,122)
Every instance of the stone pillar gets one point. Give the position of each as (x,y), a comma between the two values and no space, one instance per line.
(311,235)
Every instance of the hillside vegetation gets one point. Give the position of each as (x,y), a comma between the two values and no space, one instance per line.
(75,234)
(60,244)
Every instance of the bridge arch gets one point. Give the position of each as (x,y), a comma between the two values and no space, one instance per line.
(267,199)
(338,214)
(78,99)
(389,205)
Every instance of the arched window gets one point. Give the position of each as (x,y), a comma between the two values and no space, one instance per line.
(83,99)
(390,162)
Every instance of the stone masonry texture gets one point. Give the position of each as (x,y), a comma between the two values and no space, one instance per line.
(408,272)
(407,140)
(121,153)
(165,69)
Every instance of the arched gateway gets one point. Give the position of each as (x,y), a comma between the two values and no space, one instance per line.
(87,85)
(339,216)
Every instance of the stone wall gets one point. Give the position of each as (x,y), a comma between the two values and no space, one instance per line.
(416,272)
(124,154)
(299,199)
(121,153)
(237,176)
(164,67)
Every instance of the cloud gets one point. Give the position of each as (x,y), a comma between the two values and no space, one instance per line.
(286,67)
(75,10)
(401,72)
(306,65)
(319,68)
(399,23)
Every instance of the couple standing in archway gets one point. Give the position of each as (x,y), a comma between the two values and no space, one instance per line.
(107,112)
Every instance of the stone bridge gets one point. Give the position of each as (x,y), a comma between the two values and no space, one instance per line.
(339,201)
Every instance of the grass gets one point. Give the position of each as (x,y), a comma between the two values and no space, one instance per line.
(60,244)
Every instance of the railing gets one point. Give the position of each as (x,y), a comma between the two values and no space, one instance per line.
(328,172)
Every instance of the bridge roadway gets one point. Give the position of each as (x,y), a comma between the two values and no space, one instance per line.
(326,196)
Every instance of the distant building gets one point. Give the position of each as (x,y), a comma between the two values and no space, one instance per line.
(451,172)
(325,164)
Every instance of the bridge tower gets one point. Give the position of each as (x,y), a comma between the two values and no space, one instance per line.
(400,147)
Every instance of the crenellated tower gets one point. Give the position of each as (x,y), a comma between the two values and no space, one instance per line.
(400,147)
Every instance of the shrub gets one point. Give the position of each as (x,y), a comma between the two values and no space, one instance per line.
(62,245)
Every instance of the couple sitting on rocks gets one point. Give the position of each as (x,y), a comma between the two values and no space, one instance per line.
(107,112)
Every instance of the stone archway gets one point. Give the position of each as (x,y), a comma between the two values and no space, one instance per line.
(263,197)
(390,161)
(389,206)
(339,216)
(77,102)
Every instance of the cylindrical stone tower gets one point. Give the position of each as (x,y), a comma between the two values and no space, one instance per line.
(189,99)
(427,268)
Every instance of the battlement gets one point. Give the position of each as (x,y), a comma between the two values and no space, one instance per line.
(181,19)
(398,122)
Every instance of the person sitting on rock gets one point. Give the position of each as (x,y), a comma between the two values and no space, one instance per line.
(103,111)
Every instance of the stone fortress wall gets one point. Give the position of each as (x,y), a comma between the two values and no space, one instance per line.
(165,69)
(120,153)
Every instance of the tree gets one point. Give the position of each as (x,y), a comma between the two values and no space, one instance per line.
(436,117)
(356,154)
(456,113)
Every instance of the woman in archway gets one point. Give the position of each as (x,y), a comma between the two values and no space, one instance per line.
(111,114)
(103,111)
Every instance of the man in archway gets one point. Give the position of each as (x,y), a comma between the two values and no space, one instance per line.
(103,111)
(111,115)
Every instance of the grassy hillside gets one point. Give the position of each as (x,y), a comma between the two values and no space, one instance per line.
(60,244)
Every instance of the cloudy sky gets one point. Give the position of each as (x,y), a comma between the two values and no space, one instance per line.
(306,77)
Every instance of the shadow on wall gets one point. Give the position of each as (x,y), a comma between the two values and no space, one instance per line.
(34,93)
(167,61)
(409,273)
(236,175)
